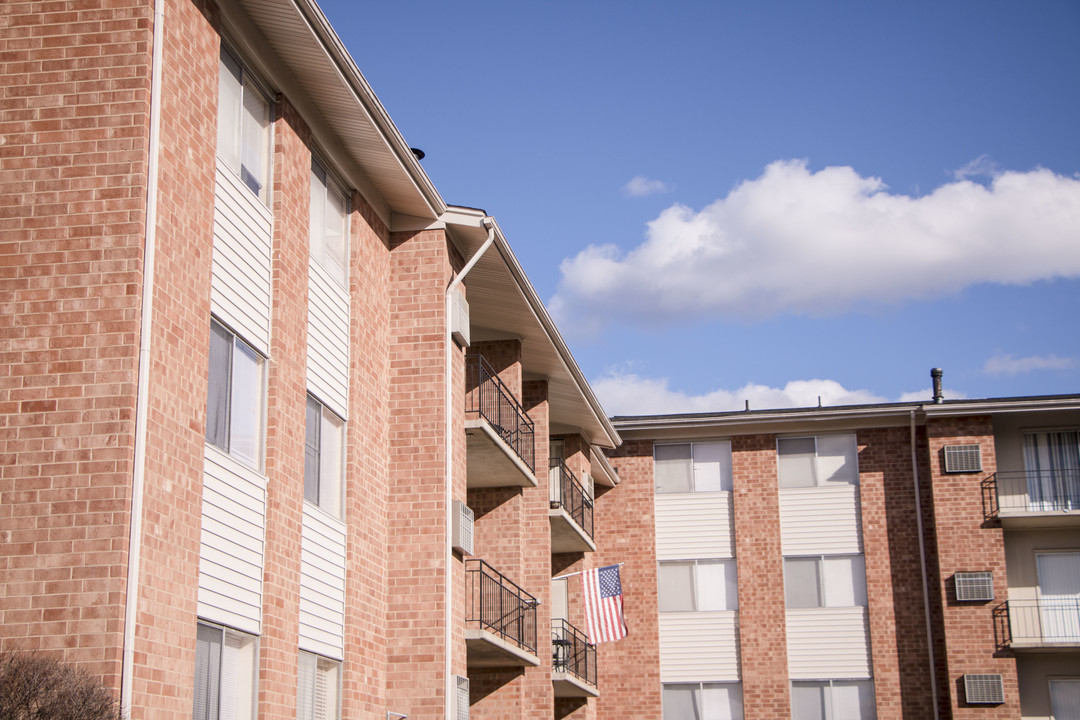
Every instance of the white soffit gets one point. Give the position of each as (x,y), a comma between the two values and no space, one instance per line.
(303,39)
(503,304)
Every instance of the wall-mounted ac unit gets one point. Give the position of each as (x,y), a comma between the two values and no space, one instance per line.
(974,586)
(462,534)
(963,459)
(983,689)
(459,318)
(462,698)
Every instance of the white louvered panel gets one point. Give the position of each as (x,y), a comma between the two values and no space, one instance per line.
(828,643)
(328,341)
(240,291)
(231,545)
(699,646)
(322,584)
(820,520)
(694,526)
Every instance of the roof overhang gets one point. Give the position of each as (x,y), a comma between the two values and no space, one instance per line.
(504,305)
(826,419)
(311,66)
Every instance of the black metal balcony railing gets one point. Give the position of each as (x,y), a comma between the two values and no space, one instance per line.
(1038,622)
(488,397)
(568,494)
(1033,491)
(499,605)
(571,652)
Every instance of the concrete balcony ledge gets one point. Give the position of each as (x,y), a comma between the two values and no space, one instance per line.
(566,535)
(491,460)
(568,685)
(486,649)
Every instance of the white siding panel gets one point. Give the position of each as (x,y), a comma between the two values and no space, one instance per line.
(328,341)
(700,646)
(694,525)
(820,520)
(240,292)
(322,584)
(231,547)
(828,643)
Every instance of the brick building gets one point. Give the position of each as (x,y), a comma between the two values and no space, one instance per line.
(282,433)
(900,561)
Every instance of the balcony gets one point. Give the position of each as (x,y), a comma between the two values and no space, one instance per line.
(571,512)
(1044,625)
(500,435)
(1033,499)
(573,661)
(500,619)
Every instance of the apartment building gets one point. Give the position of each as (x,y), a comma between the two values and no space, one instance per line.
(284,434)
(897,561)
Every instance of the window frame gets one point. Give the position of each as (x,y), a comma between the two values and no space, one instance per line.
(697,695)
(221,415)
(725,469)
(317,240)
(820,476)
(828,701)
(326,415)
(322,664)
(695,584)
(233,158)
(859,592)
(246,675)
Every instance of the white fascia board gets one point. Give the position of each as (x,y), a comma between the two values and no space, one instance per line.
(602,470)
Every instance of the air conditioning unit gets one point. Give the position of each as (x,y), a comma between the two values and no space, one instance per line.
(983,689)
(974,586)
(462,534)
(462,698)
(459,318)
(963,459)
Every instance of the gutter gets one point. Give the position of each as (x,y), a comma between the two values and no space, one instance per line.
(925,573)
(142,393)
(450,689)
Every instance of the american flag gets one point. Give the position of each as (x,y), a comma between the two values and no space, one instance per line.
(603,604)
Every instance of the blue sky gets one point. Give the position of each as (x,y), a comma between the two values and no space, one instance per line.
(763,201)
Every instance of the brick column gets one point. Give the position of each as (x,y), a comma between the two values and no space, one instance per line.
(758,553)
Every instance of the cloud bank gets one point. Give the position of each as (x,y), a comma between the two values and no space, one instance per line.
(826,242)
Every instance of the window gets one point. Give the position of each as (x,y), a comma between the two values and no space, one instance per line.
(702,701)
(1052,461)
(234,398)
(833,700)
(224,674)
(329,224)
(318,680)
(693,467)
(1059,595)
(1065,697)
(243,125)
(826,581)
(814,461)
(323,457)
(698,585)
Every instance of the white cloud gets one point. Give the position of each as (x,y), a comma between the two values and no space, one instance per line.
(796,241)
(982,166)
(622,393)
(641,186)
(1012,365)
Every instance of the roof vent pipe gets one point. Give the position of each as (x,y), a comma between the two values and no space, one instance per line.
(936,373)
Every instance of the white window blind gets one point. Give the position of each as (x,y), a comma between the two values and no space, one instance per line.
(825,581)
(324,447)
(234,398)
(698,585)
(328,224)
(833,700)
(1065,698)
(224,674)
(243,125)
(702,701)
(815,461)
(317,689)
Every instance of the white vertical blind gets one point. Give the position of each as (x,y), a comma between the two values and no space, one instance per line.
(796,462)
(836,459)
(331,464)
(673,468)
(246,410)
(845,581)
(1065,698)
(1059,595)
(712,466)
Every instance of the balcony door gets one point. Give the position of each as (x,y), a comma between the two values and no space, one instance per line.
(1065,698)
(1059,596)
(556,453)
(1052,461)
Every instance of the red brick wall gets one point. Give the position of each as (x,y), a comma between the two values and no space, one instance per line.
(759,557)
(629,669)
(419,272)
(898,638)
(72,201)
(967,541)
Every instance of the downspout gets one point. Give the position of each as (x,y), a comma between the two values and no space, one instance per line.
(142,393)
(451,689)
(925,574)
